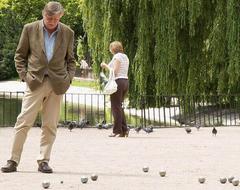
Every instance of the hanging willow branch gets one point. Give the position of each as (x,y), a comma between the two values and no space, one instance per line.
(175,47)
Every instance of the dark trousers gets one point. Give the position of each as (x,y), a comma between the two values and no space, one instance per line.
(117,98)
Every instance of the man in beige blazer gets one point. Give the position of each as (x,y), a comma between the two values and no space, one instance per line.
(44,59)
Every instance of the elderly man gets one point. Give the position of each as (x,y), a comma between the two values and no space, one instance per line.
(44,59)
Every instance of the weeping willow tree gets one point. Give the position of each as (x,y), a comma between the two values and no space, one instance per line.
(165,50)
(217,51)
(176,47)
(143,61)
(93,20)
(233,45)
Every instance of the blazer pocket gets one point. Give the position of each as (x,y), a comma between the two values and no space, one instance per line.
(31,81)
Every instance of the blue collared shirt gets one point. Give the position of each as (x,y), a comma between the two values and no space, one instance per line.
(49,42)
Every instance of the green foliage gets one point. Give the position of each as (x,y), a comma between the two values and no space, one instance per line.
(233,41)
(85,83)
(15,13)
(92,19)
(144,74)
(175,47)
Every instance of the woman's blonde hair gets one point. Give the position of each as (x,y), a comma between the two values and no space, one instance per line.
(116,47)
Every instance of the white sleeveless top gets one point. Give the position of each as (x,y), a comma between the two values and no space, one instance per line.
(124,64)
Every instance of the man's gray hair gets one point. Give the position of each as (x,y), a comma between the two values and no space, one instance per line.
(53,8)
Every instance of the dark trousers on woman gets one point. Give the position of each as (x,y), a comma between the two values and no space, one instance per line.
(117,98)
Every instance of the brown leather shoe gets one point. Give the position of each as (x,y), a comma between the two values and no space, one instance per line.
(11,166)
(44,168)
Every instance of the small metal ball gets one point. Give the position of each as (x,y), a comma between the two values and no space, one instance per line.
(94,177)
(201,180)
(84,179)
(145,168)
(235,182)
(45,184)
(162,173)
(223,180)
(230,179)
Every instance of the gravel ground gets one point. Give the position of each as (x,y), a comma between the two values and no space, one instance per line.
(119,161)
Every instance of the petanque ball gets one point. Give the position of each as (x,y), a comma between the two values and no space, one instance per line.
(230,179)
(201,180)
(235,182)
(94,177)
(223,180)
(162,173)
(45,184)
(145,169)
(84,179)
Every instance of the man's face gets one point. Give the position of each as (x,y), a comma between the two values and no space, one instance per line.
(51,22)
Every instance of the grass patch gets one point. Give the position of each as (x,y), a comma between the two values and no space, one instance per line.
(85,83)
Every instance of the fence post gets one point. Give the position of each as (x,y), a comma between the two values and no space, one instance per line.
(143,108)
(104,107)
(65,108)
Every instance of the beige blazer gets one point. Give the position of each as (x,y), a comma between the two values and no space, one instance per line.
(31,60)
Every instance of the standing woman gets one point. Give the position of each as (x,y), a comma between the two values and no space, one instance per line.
(120,65)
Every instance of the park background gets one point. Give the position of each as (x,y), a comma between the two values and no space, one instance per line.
(185,50)
(178,49)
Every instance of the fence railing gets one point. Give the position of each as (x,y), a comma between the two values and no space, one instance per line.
(159,111)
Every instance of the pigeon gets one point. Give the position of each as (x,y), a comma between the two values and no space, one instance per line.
(60,125)
(188,130)
(137,129)
(83,123)
(182,121)
(107,126)
(198,126)
(71,126)
(66,123)
(214,131)
(148,129)
(100,125)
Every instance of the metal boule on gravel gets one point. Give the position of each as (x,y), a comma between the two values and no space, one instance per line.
(201,180)
(230,179)
(61,182)
(145,168)
(162,173)
(235,182)
(84,179)
(223,180)
(94,177)
(45,184)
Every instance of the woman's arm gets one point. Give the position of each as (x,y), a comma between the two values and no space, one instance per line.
(105,66)
(116,66)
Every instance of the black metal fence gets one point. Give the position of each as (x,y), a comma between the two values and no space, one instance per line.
(159,111)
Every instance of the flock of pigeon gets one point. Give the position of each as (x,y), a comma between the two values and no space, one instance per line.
(189,130)
(84,123)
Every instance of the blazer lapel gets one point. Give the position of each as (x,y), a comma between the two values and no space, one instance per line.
(41,37)
(58,39)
